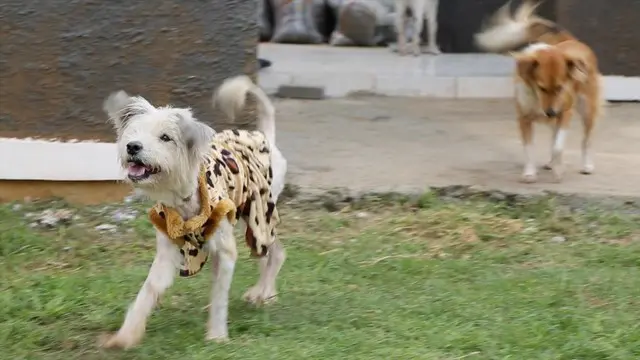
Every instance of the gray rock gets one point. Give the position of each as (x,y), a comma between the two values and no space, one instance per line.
(134,197)
(124,215)
(498,196)
(53,218)
(107,228)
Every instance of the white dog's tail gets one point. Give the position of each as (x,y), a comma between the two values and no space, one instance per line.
(231,96)
(505,32)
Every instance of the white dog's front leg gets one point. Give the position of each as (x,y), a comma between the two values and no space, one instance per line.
(158,280)
(223,248)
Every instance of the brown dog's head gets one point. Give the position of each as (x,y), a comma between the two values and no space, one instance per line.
(552,74)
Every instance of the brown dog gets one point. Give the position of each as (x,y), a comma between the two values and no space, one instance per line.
(555,74)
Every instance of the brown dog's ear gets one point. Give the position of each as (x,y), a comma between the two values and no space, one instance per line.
(525,65)
(577,69)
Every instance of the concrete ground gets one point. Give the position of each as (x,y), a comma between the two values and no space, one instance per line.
(407,144)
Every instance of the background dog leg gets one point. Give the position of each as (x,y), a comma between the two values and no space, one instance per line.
(529,173)
(160,278)
(432,25)
(418,14)
(401,9)
(224,262)
(265,290)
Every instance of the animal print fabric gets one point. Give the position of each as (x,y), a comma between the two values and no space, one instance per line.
(235,182)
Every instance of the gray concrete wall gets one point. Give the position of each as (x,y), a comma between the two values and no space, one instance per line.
(60,58)
(459,20)
(610,27)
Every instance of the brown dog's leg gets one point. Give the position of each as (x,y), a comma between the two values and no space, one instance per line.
(529,172)
(587,156)
(588,111)
(554,134)
(559,139)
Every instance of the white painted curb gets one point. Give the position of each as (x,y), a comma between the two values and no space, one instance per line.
(27,159)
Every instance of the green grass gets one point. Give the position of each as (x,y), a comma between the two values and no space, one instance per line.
(382,279)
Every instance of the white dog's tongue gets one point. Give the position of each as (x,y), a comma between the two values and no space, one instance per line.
(135,169)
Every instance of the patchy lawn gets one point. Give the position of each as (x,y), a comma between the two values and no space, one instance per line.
(427,278)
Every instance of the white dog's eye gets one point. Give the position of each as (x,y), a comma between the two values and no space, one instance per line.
(165,138)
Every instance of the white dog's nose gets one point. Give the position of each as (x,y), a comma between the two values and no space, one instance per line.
(134,147)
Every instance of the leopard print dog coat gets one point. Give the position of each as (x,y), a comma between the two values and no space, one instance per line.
(235,181)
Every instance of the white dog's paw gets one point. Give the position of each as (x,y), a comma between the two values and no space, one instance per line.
(529,178)
(118,341)
(259,295)
(587,169)
(558,173)
(220,336)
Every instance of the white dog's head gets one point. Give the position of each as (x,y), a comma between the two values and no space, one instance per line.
(161,148)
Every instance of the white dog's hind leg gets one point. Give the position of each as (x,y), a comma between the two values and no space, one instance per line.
(265,290)
(158,280)
(279,167)
(224,253)
(431,14)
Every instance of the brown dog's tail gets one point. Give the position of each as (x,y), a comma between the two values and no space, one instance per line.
(505,32)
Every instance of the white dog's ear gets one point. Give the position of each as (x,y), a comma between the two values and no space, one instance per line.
(121,108)
(197,136)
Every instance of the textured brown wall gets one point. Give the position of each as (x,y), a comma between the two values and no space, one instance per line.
(610,27)
(60,58)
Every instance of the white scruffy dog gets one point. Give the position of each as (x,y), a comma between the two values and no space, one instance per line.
(164,151)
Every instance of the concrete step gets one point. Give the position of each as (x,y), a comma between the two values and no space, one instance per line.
(342,71)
